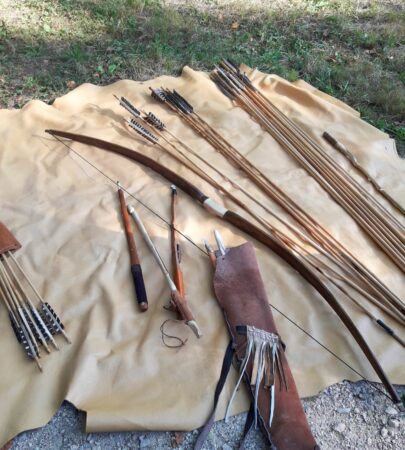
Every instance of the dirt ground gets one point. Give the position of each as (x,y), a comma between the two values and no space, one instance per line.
(344,416)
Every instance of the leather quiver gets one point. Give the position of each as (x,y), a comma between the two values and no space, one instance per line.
(8,242)
(241,294)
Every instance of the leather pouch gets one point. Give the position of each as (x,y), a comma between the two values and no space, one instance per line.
(240,293)
(8,242)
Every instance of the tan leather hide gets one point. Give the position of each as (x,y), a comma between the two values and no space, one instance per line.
(67,218)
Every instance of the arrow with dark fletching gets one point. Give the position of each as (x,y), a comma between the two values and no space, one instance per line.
(128,106)
(154,121)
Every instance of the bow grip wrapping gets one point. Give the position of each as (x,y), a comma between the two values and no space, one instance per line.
(139,284)
(240,292)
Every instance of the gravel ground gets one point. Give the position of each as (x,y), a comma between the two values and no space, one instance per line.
(344,416)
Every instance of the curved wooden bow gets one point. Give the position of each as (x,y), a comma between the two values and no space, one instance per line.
(249,228)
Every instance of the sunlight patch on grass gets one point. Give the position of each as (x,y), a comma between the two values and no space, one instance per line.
(342,47)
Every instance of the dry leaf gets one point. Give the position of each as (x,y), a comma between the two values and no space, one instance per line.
(71,84)
(177,439)
(235,25)
(7,446)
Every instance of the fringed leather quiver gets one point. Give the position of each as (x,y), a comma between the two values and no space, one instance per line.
(260,353)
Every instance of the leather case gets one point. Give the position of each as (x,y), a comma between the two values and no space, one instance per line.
(241,294)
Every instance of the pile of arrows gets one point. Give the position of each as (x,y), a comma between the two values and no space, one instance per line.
(34,327)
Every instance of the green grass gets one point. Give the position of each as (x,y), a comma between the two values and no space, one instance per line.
(352,50)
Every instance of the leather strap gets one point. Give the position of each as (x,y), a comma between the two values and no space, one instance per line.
(226,366)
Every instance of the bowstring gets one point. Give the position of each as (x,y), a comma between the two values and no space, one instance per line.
(131,195)
(341,360)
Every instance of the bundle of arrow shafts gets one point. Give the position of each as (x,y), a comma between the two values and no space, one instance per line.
(34,327)
(362,170)
(343,271)
(375,219)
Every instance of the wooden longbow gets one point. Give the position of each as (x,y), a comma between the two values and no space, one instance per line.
(249,228)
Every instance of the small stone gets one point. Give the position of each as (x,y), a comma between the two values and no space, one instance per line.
(356,410)
(340,428)
(394,423)
(343,410)
(384,432)
(369,441)
(145,442)
(226,447)
(391,411)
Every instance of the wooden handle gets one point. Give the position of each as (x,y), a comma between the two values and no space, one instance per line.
(179,281)
(176,252)
(136,269)
(181,305)
(133,254)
